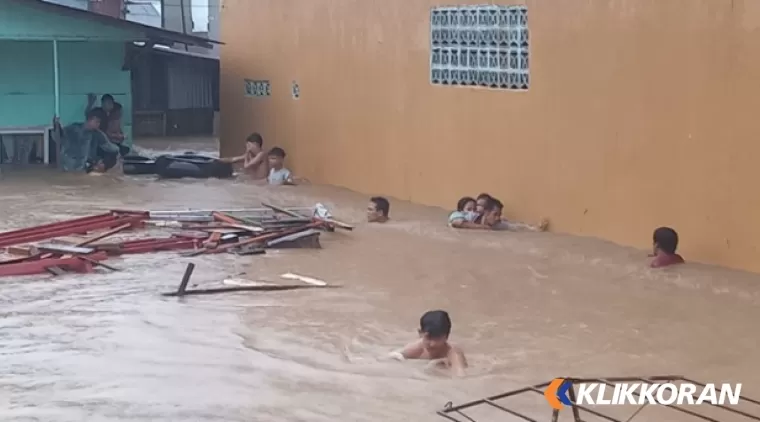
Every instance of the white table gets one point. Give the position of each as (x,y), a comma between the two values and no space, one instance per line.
(32,130)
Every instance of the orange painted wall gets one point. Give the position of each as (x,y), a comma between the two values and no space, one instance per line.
(640,113)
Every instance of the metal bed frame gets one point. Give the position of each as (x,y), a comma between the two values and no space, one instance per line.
(453,413)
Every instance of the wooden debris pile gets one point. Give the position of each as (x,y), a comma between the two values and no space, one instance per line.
(50,248)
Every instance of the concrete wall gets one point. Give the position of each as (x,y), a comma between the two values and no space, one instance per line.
(639,113)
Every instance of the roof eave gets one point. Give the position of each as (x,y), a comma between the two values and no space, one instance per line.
(150,32)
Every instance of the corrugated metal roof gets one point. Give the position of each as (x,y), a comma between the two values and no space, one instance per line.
(79,4)
(157,34)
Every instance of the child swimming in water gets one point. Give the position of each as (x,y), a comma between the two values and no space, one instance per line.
(435,327)
(665,243)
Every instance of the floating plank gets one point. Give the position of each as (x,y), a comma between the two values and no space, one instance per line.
(71,264)
(296,239)
(206,215)
(254,240)
(340,224)
(290,220)
(224,218)
(229,212)
(283,211)
(105,234)
(99,264)
(329,220)
(249,250)
(66,228)
(21,250)
(213,240)
(241,282)
(198,235)
(231,289)
(65,249)
(172,223)
(308,280)
(90,240)
(55,270)
(252,229)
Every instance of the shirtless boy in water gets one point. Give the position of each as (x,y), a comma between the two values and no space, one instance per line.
(254,159)
(435,327)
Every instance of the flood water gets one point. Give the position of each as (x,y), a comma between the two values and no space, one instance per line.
(526,307)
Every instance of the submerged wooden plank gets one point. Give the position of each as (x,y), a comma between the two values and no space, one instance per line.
(232,289)
(308,280)
(242,282)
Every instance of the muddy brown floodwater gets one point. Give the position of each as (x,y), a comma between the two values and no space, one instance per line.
(526,307)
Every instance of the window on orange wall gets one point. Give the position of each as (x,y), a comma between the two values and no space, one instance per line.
(480,46)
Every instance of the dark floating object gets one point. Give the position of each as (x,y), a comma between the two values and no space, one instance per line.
(138,165)
(192,166)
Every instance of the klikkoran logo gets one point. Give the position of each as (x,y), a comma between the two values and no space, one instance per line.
(559,392)
(556,393)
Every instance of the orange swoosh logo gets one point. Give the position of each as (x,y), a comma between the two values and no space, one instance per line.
(551,393)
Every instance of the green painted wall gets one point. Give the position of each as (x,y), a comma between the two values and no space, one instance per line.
(26,82)
(91,56)
(20,22)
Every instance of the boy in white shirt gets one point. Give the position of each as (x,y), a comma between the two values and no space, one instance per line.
(278,174)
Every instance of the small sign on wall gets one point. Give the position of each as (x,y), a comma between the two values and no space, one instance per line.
(296,90)
(257,88)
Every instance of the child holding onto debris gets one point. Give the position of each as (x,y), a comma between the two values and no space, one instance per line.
(665,242)
(434,331)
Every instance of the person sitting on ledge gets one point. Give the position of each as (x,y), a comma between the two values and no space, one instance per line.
(378,210)
(665,242)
